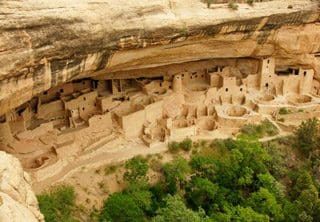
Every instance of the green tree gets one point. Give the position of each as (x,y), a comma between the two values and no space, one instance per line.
(58,204)
(176,174)
(123,207)
(201,192)
(247,214)
(246,160)
(136,170)
(271,184)
(240,214)
(176,211)
(277,163)
(302,180)
(307,138)
(204,166)
(265,202)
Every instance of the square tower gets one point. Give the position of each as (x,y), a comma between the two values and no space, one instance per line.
(267,70)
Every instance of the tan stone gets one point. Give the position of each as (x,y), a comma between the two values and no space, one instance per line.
(18,202)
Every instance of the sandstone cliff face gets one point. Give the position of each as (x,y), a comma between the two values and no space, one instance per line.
(45,43)
(17,200)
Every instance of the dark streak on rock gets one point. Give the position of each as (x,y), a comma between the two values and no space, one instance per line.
(74,67)
(104,60)
(56,70)
(38,76)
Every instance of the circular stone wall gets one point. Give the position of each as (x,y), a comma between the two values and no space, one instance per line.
(236,111)
(300,99)
(198,88)
(266,98)
(206,124)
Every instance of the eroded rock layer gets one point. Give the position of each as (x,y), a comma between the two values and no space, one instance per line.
(17,200)
(44,44)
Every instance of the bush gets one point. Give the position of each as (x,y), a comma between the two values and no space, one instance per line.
(265,128)
(110,169)
(277,164)
(156,165)
(284,111)
(186,144)
(307,138)
(233,6)
(58,204)
(136,170)
(121,207)
(176,210)
(269,128)
(250,2)
(175,174)
(174,147)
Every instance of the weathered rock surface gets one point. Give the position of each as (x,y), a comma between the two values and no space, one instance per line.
(44,43)
(17,200)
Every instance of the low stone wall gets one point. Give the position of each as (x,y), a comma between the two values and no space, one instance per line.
(181,133)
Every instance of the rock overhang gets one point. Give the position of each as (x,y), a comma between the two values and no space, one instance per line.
(47,44)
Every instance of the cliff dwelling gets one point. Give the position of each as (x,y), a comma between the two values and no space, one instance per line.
(195,99)
(86,84)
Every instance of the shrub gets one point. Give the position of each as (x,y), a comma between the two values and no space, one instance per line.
(265,202)
(173,147)
(277,164)
(284,111)
(233,6)
(176,210)
(265,128)
(201,192)
(307,138)
(175,174)
(156,165)
(121,207)
(136,169)
(186,144)
(250,2)
(110,169)
(58,204)
(269,128)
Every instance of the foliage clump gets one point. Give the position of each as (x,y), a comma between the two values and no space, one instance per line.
(284,111)
(130,205)
(175,147)
(238,179)
(136,170)
(265,128)
(250,2)
(308,138)
(58,204)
